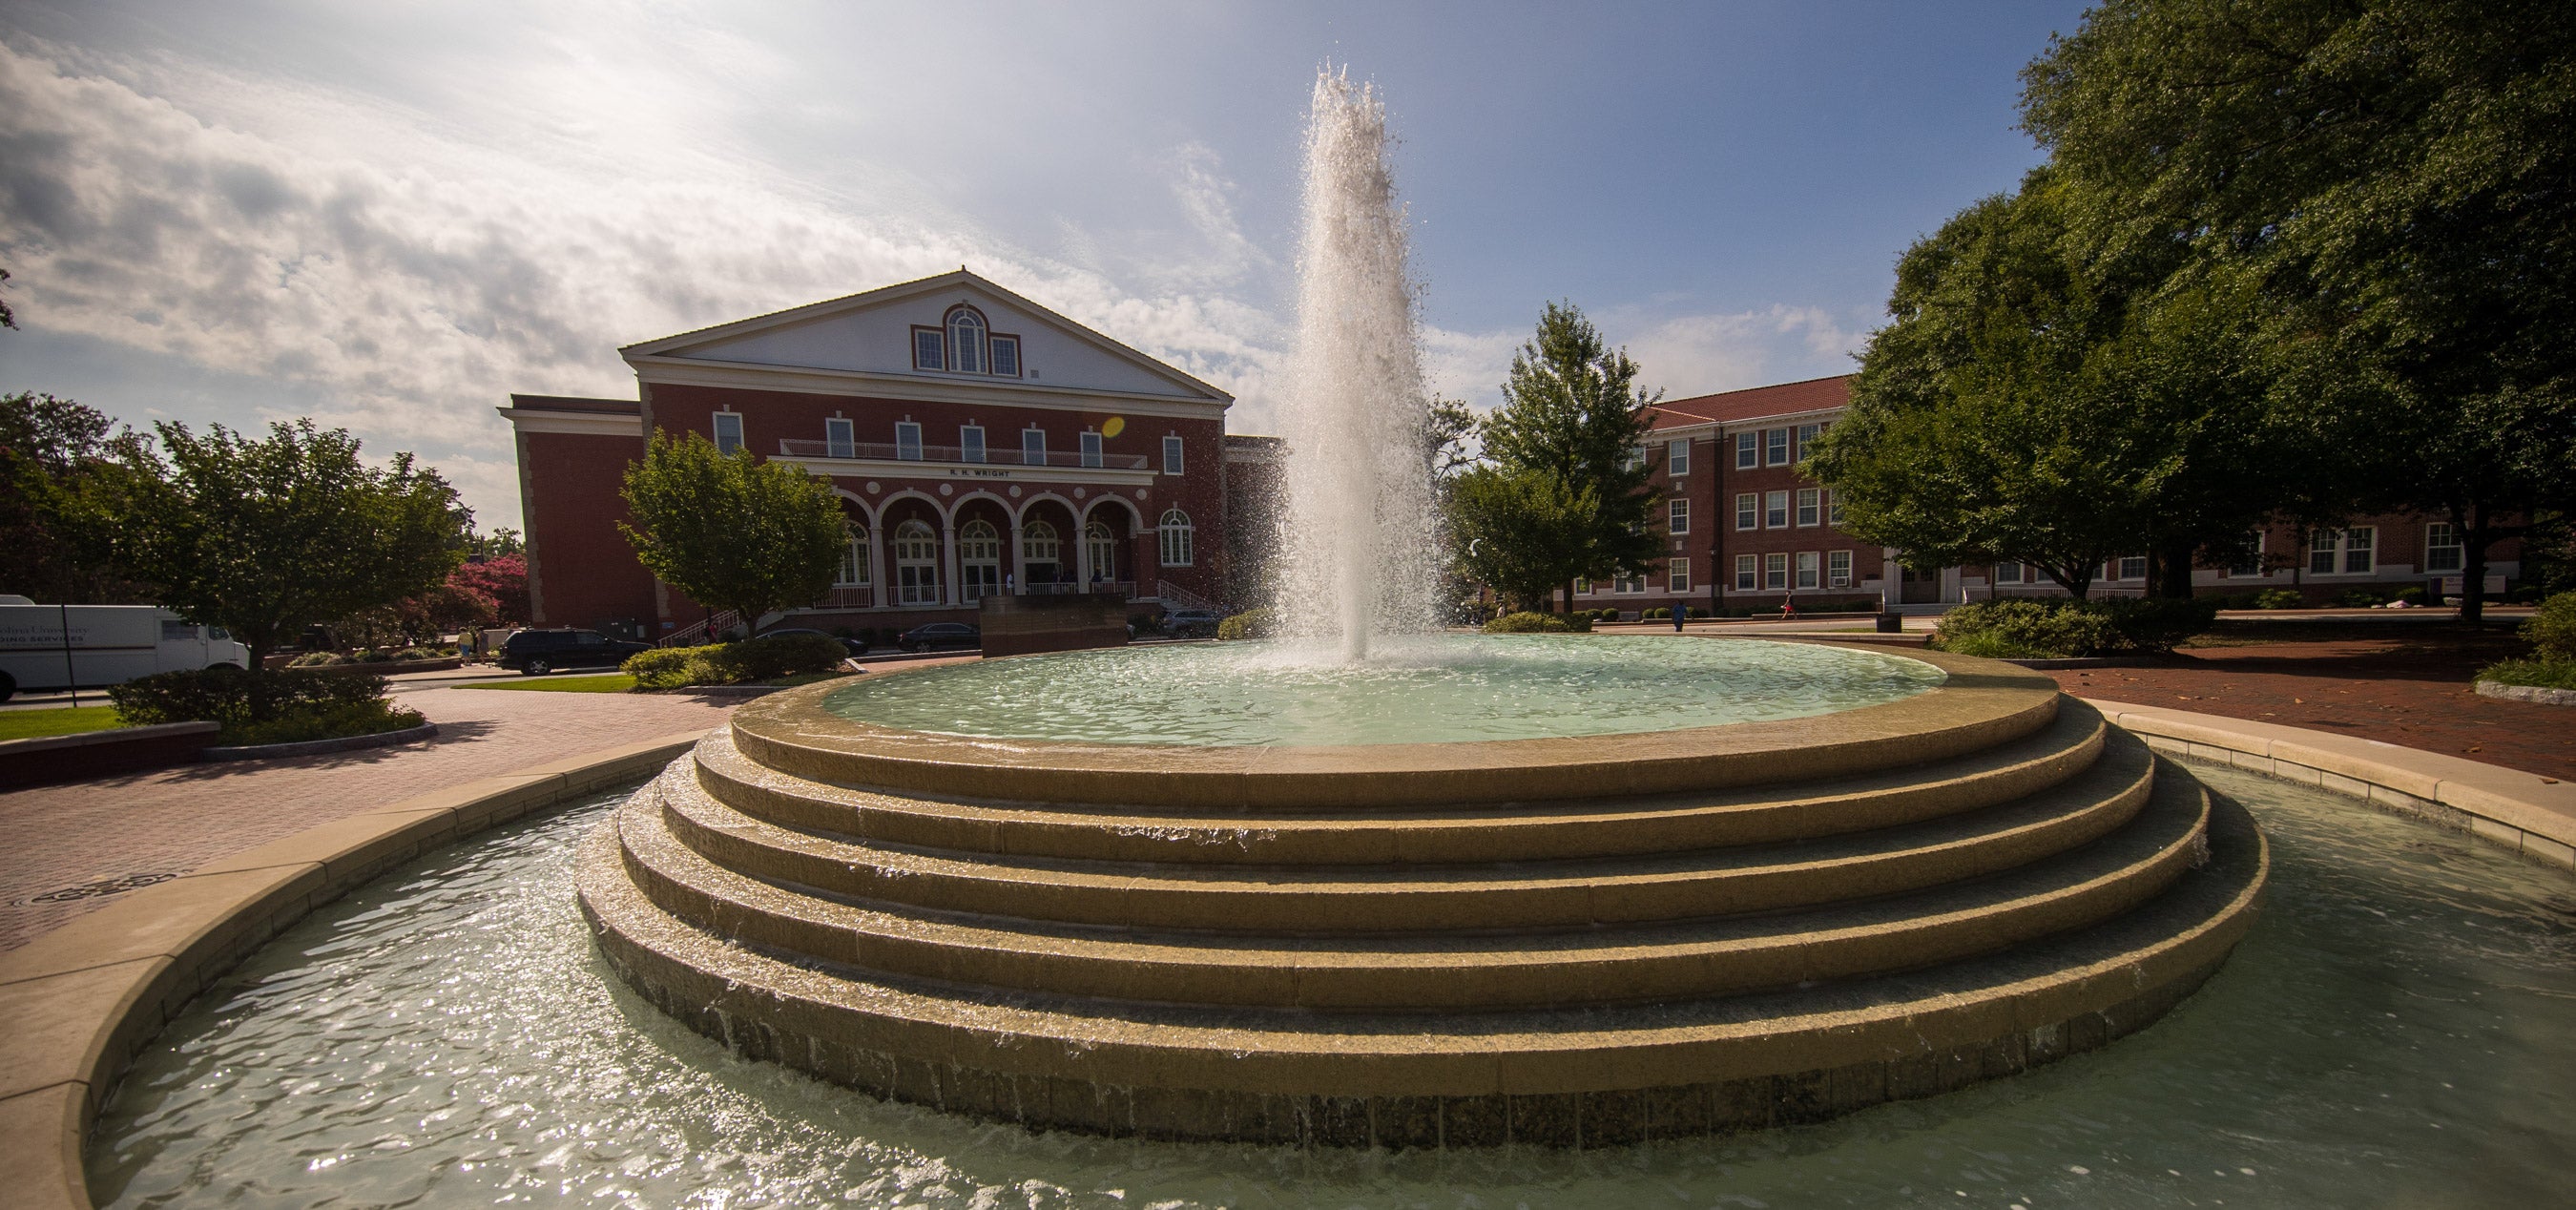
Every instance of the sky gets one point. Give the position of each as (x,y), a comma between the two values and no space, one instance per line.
(391,216)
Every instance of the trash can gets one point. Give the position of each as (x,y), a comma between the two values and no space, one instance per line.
(1891,622)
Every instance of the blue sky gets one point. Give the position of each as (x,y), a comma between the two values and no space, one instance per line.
(390,216)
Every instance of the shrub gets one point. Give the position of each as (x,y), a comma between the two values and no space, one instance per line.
(225,695)
(1250,624)
(2360,598)
(2042,629)
(1654,613)
(316,659)
(1540,623)
(777,655)
(421,653)
(667,667)
(2279,598)
(325,722)
(2552,628)
(370,656)
(2412,594)
(2539,674)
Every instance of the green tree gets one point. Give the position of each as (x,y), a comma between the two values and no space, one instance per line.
(267,537)
(1519,530)
(58,463)
(2394,177)
(732,531)
(1573,414)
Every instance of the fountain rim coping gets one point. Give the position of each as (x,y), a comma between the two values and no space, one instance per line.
(105,984)
(1979,702)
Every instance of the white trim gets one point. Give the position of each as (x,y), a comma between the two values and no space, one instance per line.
(910,387)
(884,295)
(890,468)
(583,424)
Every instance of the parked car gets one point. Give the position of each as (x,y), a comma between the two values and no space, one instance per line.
(941,634)
(1192,623)
(110,645)
(856,647)
(538,652)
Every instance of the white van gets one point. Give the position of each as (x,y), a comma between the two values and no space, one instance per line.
(110,644)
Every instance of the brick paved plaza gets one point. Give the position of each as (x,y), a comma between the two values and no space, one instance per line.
(53,838)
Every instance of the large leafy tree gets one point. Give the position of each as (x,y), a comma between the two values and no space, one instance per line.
(2021,406)
(59,466)
(2397,178)
(1519,530)
(266,537)
(730,530)
(1571,421)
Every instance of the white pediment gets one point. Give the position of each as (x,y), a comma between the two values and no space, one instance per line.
(871,334)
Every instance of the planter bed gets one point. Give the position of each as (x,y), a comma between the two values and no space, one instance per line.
(319,747)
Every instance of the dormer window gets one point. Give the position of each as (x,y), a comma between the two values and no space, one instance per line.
(965,341)
(964,344)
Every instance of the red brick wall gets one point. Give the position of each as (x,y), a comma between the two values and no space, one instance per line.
(581,569)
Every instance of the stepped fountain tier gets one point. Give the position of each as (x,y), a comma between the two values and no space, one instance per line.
(1566,939)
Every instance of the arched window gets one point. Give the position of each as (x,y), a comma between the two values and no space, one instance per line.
(979,561)
(965,341)
(1038,543)
(916,564)
(1179,549)
(1104,550)
(854,559)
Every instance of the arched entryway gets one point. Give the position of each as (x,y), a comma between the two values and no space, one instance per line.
(1050,551)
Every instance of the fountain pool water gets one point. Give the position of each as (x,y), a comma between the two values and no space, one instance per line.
(2394,1033)
(1413,689)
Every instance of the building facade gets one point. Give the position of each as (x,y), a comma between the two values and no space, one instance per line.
(980,444)
(1748,531)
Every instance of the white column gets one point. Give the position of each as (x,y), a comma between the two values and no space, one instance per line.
(951,590)
(880,564)
(1891,579)
(1019,562)
(1082,553)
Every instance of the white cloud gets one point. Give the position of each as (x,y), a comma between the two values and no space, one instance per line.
(1690,355)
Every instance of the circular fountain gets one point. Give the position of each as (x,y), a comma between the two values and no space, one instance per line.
(1565,939)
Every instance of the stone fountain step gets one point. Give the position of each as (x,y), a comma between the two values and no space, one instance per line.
(1600,1076)
(1603,827)
(1980,704)
(1402,898)
(1446,972)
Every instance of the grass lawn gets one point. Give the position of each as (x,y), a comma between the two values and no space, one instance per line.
(614,682)
(28,724)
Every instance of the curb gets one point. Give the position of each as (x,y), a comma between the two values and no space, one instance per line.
(319,747)
(82,999)
(2526,812)
(43,759)
(2528,693)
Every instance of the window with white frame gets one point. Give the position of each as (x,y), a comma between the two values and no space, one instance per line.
(1838,569)
(1807,438)
(840,438)
(916,564)
(2443,550)
(1677,457)
(1748,511)
(1677,575)
(1006,356)
(854,560)
(2132,567)
(1091,449)
(1811,509)
(929,349)
(965,341)
(1582,586)
(1033,447)
(1104,550)
(1627,582)
(979,561)
(1171,455)
(1748,573)
(2007,573)
(1775,510)
(1833,507)
(1633,459)
(1808,570)
(907,441)
(1775,570)
(728,430)
(1039,544)
(2344,551)
(1748,451)
(970,443)
(1775,447)
(1677,515)
(2248,560)
(1179,546)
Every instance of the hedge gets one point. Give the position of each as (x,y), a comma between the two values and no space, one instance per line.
(1540,623)
(1250,624)
(765,658)
(2042,629)
(2552,628)
(299,707)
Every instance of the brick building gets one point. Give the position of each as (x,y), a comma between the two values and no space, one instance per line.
(980,444)
(1747,530)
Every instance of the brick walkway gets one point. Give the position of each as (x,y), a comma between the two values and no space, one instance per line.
(2416,695)
(174,820)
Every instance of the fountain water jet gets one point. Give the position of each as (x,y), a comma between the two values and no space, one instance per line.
(1359,535)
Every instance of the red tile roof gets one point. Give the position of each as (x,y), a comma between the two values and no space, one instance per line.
(1755,403)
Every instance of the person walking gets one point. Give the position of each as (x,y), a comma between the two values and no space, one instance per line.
(1681,614)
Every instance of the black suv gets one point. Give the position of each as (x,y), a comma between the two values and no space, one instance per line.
(941,634)
(538,652)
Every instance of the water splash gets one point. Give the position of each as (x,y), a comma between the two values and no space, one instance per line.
(1358,535)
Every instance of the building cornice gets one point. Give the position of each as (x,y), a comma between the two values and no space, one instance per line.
(745,376)
(585,424)
(967,472)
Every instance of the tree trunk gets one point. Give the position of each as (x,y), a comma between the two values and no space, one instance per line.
(2170,570)
(1569,598)
(2471,522)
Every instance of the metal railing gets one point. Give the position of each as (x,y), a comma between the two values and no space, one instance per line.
(695,634)
(1173,595)
(1124,588)
(798,447)
(847,596)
